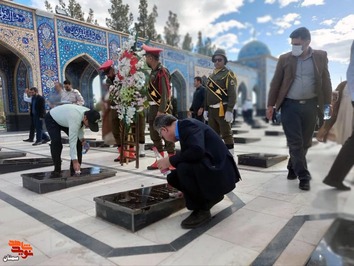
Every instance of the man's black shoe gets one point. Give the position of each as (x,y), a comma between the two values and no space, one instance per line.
(45,141)
(337,185)
(304,184)
(196,219)
(28,140)
(291,174)
(37,143)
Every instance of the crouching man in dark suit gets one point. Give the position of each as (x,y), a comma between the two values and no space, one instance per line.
(205,169)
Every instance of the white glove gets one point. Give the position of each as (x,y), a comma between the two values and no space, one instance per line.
(205,115)
(229,117)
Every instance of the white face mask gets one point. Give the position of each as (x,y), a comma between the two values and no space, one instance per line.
(297,50)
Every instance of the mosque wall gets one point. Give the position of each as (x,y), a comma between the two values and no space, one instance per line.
(46,44)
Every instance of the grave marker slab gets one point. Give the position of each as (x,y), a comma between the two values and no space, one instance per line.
(273,133)
(337,245)
(15,165)
(11,154)
(138,208)
(242,140)
(264,160)
(44,182)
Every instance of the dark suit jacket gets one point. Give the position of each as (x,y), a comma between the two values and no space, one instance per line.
(285,74)
(215,169)
(39,109)
(198,100)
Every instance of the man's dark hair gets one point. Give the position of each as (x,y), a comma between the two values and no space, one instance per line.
(197,78)
(67,82)
(164,120)
(302,33)
(34,89)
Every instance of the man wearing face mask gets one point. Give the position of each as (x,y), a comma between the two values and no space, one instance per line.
(300,85)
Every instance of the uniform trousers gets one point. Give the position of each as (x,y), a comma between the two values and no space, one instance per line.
(154,135)
(220,126)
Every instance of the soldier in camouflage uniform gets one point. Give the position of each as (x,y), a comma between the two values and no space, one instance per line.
(160,98)
(221,99)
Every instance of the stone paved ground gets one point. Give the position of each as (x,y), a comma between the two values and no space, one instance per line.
(266,219)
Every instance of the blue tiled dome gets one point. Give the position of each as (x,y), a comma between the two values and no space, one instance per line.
(253,49)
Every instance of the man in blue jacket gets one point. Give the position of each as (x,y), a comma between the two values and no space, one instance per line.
(205,169)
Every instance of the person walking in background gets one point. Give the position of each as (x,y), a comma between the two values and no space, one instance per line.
(197,106)
(221,99)
(71,95)
(301,82)
(205,169)
(345,158)
(340,126)
(38,113)
(159,91)
(54,98)
(27,97)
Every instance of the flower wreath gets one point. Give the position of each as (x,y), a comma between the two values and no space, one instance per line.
(129,91)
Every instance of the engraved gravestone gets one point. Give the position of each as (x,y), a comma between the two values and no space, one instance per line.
(15,165)
(138,208)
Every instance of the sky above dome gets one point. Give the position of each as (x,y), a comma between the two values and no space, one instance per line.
(233,23)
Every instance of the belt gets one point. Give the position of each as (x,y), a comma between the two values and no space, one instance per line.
(301,101)
(216,105)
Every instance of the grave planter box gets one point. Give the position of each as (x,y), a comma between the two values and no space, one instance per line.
(241,140)
(264,160)
(337,245)
(136,209)
(65,140)
(44,182)
(15,165)
(238,131)
(274,133)
(11,154)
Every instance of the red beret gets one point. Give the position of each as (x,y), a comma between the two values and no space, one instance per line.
(106,65)
(151,50)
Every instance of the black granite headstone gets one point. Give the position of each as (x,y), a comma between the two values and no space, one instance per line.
(11,154)
(264,160)
(136,209)
(241,140)
(274,133)
(238,131)
(44,182)
(337,245)
(15,165)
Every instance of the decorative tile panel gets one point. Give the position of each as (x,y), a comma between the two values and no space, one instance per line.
(68,50)
(16,17)
(47,54)
(4,67)
(23,44)
(114,44)
(80,32)
(21,86)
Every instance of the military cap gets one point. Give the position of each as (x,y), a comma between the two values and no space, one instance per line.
(219,52)
(106,65)
(151,50)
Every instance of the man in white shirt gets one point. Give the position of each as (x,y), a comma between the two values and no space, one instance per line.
(72,119)
(71,95)
(27,97)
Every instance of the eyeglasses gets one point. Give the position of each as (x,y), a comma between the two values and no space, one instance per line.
(217,60)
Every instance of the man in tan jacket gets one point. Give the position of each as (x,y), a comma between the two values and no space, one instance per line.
(300,85)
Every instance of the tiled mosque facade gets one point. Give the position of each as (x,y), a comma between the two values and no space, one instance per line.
(38,48)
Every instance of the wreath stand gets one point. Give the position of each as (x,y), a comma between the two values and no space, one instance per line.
(130,142)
